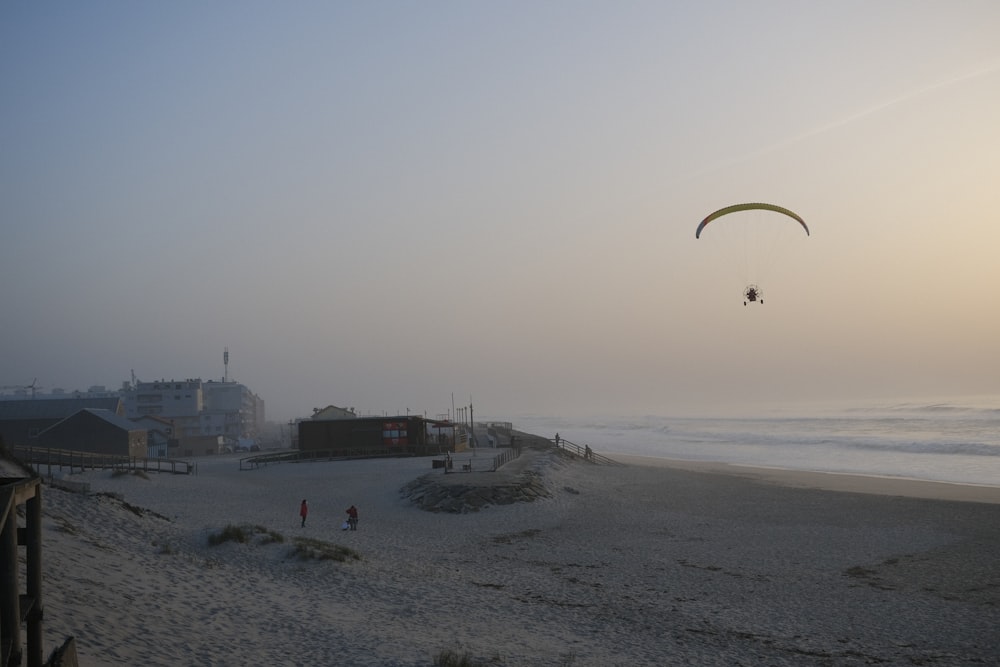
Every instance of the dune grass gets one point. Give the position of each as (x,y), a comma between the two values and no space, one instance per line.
(231,533)
(453,658)
(450,658)
(245,533)
(307,548)
(303,548)
(135,473)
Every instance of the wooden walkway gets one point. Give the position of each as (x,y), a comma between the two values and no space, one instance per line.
(342,454)
(44,460)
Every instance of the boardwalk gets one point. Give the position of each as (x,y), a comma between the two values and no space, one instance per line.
(44,460)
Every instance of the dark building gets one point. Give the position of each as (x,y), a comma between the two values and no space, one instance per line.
(22,420)
(368,436)
(98,432)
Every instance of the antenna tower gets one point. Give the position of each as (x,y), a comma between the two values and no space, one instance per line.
(225,362)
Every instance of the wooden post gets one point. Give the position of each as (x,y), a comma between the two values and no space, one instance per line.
(33,556)
(10,608)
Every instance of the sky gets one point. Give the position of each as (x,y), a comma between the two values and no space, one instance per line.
(410,207)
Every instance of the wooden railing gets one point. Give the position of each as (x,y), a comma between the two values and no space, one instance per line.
(341,454)
(21,596)
(44,459)
(506,456)
(21,592)
(584,452)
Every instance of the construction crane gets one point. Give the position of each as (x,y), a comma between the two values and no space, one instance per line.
(25,387)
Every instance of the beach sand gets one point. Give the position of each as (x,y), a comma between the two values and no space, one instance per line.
(650,563)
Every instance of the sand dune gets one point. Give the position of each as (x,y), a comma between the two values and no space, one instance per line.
(634,565)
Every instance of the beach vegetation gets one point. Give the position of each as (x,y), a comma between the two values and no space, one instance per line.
(269,536)
(859,572)
(511,537)
(230,533)
(453,658)
(165,548)
(245,533)
(450,658)
(135,473)
(64,525)
(307,548)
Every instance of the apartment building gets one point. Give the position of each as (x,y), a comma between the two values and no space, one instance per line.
(197,408)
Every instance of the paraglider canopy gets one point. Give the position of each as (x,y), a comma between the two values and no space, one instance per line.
(750,207)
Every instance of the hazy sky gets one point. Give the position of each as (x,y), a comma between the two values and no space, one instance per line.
(383,204)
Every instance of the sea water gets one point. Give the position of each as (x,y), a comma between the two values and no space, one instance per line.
(954,441)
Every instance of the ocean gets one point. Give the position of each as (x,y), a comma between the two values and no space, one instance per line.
(954,441)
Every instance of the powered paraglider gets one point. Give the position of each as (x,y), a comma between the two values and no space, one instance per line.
(750,245)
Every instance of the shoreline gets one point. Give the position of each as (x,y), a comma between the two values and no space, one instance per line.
(829,481)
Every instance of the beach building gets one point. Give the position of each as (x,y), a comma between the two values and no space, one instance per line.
(22,420)
(369,436)
(201,445)
(333,412)
(96,431)
(160,441)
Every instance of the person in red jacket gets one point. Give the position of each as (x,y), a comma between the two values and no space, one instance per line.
(352,517)
(303,512)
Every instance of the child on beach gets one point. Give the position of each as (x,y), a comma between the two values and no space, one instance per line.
(352,517)
(303,511)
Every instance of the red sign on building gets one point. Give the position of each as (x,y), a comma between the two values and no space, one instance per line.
(394,433)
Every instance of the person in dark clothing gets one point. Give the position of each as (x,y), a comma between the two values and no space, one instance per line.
(304,512)
(352,517)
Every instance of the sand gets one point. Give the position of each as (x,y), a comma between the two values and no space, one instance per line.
(650,563)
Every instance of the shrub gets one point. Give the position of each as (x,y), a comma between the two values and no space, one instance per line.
(450,658)
(230,533)
(271,537)
(120,472)
(307,548)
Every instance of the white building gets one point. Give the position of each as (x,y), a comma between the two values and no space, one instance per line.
(197,408)
(232,410)
(180,401)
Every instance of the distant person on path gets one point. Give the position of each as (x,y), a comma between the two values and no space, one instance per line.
(304,512)
(352,517)
(588,454)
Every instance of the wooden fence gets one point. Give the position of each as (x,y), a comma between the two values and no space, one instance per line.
(339,454)
(296,456)
(506,456)
(584,452)
(44,459)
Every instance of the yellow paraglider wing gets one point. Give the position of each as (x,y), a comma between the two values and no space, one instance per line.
(750,207)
